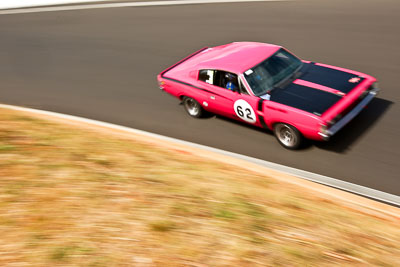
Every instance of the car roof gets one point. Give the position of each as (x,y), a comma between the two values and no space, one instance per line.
(235,57)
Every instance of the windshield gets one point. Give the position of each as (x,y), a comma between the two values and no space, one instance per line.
(269,73)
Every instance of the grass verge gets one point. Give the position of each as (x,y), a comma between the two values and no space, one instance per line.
(75,197)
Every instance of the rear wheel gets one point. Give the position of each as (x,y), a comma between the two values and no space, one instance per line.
(288,136)
(192,107)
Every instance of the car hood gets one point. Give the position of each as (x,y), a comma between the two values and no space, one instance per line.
(342,81)
(316,89)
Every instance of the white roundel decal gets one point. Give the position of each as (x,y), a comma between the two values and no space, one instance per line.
(244,111)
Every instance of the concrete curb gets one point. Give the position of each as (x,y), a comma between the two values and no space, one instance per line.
(34,6)
(8,4)
(320,179)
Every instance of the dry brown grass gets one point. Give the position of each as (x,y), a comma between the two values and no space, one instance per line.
(73,197)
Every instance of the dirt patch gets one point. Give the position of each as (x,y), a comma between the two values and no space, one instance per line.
(73,194)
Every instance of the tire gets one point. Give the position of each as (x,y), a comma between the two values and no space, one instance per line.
(288,136)
(192,107)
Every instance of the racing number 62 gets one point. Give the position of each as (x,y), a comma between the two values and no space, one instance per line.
(239,111)
(244,111)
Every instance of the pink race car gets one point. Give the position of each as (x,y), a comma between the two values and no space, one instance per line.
(267,86)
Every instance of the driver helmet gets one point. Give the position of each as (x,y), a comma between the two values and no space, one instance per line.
(229,76)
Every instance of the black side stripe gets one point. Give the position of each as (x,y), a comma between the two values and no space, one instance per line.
(260,117)
(260,104)
(191,85)
(262,121)
(188,84)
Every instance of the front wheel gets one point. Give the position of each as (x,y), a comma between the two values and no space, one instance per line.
(192,107)
(288,136)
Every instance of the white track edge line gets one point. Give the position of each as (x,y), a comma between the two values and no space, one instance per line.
(125,4)
(11,4)
(321,179)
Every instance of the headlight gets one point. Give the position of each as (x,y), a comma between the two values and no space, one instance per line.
(323,129)
(323,132)
(365,93)
(334,120)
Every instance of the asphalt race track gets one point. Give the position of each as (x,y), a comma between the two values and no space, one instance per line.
(102,64)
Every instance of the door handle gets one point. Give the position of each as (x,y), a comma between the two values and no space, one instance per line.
(212,97)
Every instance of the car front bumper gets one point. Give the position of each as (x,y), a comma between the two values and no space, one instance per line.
(349,116)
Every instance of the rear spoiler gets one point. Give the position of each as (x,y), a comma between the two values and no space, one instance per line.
(183,60)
